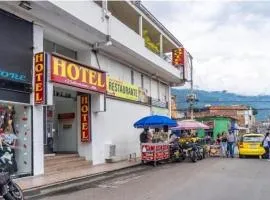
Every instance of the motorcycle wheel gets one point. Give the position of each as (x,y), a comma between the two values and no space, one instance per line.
(193,156)
(8,196)
(16,191)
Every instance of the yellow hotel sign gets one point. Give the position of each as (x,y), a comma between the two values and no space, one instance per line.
(122,89)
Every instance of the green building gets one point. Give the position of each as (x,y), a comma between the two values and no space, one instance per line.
(217,125)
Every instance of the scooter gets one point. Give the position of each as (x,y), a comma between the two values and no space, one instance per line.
(8,189)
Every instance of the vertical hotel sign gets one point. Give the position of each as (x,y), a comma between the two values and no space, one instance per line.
(85,125)
(178,57)
(39,78)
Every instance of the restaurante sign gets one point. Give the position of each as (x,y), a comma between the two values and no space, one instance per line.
(122,89)
(69,72)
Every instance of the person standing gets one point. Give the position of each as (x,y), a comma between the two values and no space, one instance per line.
(266,145)
(224,143)
(143,136)
(231,143)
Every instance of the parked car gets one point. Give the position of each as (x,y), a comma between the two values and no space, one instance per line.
(251,145)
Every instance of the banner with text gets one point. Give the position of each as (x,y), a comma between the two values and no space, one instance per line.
(125,90)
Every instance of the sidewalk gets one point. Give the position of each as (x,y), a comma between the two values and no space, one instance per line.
(43,181)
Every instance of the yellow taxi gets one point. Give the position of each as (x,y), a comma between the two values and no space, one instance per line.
(251,145)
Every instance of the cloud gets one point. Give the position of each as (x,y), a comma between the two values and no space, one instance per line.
(229,42)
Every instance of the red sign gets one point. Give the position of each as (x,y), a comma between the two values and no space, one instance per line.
(85,124)
(69,72)
(178,56)
(39,78)
(155,152)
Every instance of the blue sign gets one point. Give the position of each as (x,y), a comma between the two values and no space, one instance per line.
(12,76)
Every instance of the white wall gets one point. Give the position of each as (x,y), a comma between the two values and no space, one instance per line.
(38,143)
(116,126)
(154,89)
(113,68)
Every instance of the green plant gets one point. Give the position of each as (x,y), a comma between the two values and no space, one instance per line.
(154,47)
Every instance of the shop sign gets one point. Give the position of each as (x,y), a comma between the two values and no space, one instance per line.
(122,89)
(125,90)
(39,79)
(178,56)
(69,72)
(12,76)
(85,125)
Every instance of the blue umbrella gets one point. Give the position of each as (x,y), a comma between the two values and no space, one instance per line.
(155,121)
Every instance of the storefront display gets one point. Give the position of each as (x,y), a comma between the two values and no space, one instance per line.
(15,139)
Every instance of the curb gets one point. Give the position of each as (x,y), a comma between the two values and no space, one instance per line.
(79,183)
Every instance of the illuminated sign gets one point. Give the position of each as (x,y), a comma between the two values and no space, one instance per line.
(178,56)
(85,125)
(12,76)
(39,78)
(69,72)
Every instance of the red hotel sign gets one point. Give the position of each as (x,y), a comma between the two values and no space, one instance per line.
(39,78)
(178,56)
(85,124)
(69,72)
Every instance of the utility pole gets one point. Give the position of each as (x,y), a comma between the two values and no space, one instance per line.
(191,97)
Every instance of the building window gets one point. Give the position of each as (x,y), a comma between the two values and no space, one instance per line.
(53,47)
(16,139)
(132,77)
(142,81)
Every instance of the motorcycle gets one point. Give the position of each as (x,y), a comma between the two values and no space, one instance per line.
(200,150)
(176,153)
(8,189)
(190,151)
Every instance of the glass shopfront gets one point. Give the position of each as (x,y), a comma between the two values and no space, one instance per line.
(15,139)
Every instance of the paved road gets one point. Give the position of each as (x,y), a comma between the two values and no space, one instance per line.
(210,179)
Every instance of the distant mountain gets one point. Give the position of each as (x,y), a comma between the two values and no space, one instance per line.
(260,102)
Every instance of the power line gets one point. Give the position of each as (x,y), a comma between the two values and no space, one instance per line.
(218,101)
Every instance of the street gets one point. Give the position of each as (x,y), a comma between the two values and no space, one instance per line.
(210,179)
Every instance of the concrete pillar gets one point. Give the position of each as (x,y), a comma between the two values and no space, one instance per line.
(141,26)
(38,121)
(161,45)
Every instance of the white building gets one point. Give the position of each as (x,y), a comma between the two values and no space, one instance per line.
(107,37)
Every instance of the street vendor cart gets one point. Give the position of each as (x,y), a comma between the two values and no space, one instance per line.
(157,149)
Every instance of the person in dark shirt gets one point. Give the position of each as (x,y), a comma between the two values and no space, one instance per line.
(143,136)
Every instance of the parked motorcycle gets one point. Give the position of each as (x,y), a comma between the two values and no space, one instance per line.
(8,189)
(200,150)
(190,151)
(176,153)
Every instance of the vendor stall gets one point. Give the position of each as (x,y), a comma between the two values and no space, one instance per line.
(155,147)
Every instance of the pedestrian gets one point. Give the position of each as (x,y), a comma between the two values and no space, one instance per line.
(266,145)
(218,139)
(231,143)
(224,144)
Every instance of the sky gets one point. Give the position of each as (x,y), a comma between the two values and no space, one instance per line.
(230,41)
